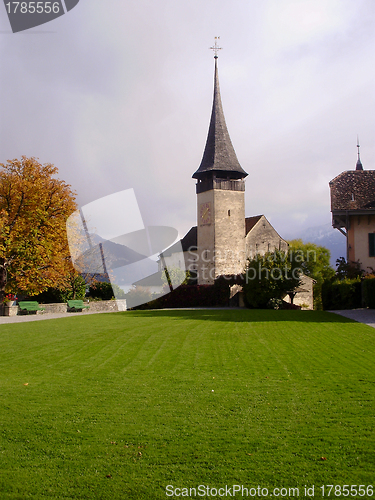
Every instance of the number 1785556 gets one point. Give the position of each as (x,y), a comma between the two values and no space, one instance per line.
(33,7)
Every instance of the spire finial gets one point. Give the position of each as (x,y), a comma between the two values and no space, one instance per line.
(358,146)
(216,48)
(359,163)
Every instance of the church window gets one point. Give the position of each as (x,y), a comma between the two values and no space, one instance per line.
(371,244)
(229,213)
(268,247)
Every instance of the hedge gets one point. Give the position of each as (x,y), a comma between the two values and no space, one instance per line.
(216,295)
(368,292)
(345,294)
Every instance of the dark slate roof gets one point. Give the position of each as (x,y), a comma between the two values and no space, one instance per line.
(219,155)
(188,242)
(152,280)
(250,222)
(353,190)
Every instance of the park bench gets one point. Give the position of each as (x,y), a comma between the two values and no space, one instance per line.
(27,306)
(76,305)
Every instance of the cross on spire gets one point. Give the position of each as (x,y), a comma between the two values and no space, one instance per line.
(215,47)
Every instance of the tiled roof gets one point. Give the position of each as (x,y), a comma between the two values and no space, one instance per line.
(219,155)
(251,221)
(353,190)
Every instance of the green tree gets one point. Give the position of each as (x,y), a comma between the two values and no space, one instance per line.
(174,277)
(74,288)
(314,260)
(348,270)
(270,276)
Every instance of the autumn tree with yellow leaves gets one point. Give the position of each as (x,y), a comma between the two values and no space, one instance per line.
(34,207)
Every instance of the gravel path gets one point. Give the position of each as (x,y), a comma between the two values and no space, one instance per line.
(361,315)
(38,317)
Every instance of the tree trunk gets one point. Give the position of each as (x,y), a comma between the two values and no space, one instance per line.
(3,279)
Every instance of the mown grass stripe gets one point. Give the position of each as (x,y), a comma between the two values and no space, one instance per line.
(206,397)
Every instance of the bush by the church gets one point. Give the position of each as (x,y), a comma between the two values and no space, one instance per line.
(344,294)
(368,291)
(269,277)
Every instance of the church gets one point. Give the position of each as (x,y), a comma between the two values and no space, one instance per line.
(224,238)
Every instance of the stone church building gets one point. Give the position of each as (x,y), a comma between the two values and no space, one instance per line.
(224,238)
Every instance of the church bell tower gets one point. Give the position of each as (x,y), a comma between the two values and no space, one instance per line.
(220,192)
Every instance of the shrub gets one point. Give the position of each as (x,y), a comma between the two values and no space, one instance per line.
(138,296)
(368,291)
(75,291)
(344,294)
(216,295)
(105,291)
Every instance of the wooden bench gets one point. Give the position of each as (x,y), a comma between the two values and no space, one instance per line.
(76,305)
(27,306)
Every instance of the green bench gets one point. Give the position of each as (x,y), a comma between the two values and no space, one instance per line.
(27,306)
(76,305)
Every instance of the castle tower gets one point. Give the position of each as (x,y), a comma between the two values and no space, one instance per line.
(220,192)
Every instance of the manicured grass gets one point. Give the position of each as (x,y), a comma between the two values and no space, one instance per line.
(184,398)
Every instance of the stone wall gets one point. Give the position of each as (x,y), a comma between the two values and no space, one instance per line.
(94,306)
(305,293)
(263,238)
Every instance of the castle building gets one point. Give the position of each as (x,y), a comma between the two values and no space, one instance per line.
(353,213)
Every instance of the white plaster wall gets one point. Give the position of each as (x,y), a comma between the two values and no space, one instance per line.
(361,226)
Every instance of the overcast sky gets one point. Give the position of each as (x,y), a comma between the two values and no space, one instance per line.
(118,95)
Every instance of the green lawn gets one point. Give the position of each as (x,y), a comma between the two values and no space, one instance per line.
(118,406)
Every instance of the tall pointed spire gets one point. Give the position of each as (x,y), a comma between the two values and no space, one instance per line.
(359,165)
(219,156)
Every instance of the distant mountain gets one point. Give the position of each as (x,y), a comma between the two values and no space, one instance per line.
(123,263)
(327,237)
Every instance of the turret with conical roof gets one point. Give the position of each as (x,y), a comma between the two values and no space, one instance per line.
(219,158)
(220,201)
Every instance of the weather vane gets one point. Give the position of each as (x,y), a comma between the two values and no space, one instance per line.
(216,48)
